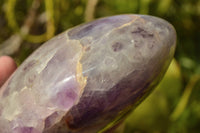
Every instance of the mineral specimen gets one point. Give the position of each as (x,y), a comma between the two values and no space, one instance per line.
(88,77)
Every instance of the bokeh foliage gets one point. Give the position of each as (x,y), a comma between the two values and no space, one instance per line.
(174,106)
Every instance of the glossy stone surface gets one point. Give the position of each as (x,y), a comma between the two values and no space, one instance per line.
(87,77)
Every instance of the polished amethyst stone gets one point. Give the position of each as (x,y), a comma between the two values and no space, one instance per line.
(89,77)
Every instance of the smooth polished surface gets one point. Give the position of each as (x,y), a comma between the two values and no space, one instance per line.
(87,77)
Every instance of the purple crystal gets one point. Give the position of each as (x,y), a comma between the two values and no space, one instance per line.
(88,76)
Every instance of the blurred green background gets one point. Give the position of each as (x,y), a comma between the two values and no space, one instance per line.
(174,106)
